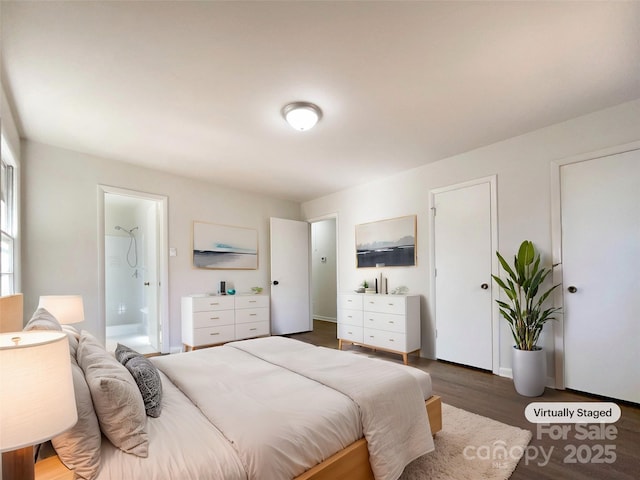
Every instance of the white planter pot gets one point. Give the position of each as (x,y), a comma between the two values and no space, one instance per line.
(529,368)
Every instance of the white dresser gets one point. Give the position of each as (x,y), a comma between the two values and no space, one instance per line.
(383,322)
(215,319)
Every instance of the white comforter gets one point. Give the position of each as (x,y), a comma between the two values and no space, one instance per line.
(279,423)
(391,402)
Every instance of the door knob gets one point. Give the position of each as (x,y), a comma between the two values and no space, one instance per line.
(275,282)
(572,289)
(146,284)
(484,286)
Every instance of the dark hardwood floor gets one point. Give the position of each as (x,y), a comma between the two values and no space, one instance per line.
(549,457)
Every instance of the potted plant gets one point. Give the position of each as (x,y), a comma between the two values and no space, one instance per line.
(526,315)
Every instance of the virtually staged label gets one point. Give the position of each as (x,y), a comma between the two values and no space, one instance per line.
(572,412)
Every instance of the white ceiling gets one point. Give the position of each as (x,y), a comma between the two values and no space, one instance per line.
(196,88)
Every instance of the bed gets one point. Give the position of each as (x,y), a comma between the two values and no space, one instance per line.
(268,408)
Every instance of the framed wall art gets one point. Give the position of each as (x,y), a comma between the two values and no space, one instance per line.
(224,247)
(387,243)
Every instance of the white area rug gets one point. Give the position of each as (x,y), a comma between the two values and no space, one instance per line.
(470,447)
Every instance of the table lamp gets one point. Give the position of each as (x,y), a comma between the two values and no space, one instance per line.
(37,400)
(66,308)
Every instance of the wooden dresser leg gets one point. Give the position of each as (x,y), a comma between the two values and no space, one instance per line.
(405,358)
(339,344)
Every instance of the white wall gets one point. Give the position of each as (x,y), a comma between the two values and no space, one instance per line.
(324,274)
(522,165)
(60,228)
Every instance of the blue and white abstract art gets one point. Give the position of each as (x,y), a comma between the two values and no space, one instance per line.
(224,247)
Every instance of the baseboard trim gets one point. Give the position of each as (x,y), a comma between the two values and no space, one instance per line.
(325,319)
(507,372)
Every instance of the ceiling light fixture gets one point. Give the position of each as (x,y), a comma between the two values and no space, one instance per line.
(302,115)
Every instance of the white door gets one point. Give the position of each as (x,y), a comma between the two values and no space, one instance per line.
(600,208)
(463,260)
(150,276)
(290,304)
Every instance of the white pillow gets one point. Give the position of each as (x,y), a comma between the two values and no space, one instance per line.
(116,398)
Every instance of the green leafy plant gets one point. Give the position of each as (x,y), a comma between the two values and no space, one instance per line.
(525,313)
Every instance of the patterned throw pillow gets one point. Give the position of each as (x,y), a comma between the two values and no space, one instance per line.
(146,376)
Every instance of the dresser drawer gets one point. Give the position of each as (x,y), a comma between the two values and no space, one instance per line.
(389,340)
(213,318)
(350,317)
(204,304)
(252,301)
(213,335)
(254,329)
(247,315)
(385,321)
(350,301)
(350,332)
(385,304)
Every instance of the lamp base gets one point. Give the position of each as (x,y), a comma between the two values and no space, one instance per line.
(18,464)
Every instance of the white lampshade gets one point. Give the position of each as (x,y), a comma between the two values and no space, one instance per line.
(66,308)
(36,388)
(302,115)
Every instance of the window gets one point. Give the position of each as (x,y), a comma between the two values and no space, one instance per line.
(8,221)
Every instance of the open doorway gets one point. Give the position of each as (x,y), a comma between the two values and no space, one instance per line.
(324,278)
(134,268)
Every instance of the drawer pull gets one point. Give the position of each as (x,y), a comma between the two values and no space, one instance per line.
(253,314)
(371,320)
(214,318)
(252,301)
(391,339)
(390,304)
(216,333)
(350,333)
(349,301)
(391,321)
(371,336)
(349,316)
(252,329)
(214,304)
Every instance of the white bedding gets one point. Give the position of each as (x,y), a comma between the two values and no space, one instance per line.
(390,400)
(280,423)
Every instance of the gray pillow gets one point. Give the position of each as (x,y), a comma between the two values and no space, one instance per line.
(43,320)
(79,447)
(73,336)
(146,376)
(115,396)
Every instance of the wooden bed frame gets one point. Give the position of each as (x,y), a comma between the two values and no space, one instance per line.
(350,463)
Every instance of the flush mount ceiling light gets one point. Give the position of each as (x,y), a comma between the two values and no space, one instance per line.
(302,115)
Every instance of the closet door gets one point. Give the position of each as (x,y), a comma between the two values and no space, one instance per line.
(463,260)
(600,208)
(290,277)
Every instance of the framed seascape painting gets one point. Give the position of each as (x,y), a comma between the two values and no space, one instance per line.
(224,247)
(387,243)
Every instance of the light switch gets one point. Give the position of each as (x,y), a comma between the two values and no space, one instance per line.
(173,252)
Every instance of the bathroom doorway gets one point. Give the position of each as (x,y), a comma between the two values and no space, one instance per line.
(134,267)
